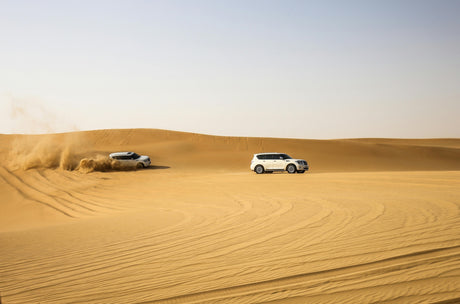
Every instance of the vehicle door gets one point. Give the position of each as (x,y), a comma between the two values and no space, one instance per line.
(264,161)
(131,161)
(286,160)
(277,162)
(125,160)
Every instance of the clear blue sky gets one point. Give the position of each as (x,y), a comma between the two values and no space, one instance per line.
(305,69)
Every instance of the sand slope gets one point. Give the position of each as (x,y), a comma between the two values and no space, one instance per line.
(376,220)
(189,150)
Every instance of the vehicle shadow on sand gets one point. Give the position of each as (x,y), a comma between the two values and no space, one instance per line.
(151,167)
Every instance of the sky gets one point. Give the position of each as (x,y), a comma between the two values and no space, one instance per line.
(296,69)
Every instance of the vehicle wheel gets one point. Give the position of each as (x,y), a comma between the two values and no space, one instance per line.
(140,165)
(259,169)
(291,169)
(301,171)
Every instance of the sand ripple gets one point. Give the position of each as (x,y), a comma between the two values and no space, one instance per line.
(236,238)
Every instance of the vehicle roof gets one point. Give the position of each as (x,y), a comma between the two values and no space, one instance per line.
(121,153)
(268,153)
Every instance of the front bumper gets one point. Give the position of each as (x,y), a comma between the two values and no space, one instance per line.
(302,167)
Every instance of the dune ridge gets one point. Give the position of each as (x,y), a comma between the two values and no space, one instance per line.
(376,220)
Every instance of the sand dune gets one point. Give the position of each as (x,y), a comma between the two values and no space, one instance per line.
(196,151)
(376,220)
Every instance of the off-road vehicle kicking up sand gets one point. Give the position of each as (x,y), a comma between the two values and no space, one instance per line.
(131,159)
(270,162)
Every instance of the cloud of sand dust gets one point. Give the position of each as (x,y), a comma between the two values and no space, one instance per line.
(62,151)
(66,151)
(34,151)
(69,151)
(103,164)
(47,151)
(30,116)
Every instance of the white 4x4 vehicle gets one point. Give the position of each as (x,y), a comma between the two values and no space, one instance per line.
(269,162)
(131,159)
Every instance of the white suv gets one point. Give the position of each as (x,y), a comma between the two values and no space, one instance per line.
(131,159)
(269,162)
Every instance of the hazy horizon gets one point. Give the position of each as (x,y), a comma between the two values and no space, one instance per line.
(293,69)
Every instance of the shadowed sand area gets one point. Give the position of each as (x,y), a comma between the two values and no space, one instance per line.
(375,220)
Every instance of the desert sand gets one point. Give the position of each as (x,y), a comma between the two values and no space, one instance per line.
(373,221)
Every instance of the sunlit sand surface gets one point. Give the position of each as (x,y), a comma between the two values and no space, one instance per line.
(375,220)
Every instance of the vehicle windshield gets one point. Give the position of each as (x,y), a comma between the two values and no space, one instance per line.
(135,156)
(285,156)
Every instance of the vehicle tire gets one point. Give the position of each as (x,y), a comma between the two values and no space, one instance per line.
(259,169)
(139,166)
(301,171)
(291,169)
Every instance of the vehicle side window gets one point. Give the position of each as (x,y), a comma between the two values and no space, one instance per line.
(274,156)
(261,157)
